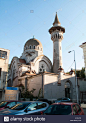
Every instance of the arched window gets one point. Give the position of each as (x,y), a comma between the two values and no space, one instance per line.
(34,47)
(30,47)
(41,49)
(56,35)
(38,48)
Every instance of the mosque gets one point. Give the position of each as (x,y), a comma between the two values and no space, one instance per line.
(35,70)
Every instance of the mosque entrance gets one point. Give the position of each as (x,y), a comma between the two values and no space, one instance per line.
(67,89)
(67,92)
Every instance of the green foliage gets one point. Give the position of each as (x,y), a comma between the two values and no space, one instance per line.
(78,73)
(81,73)
(67,73)
(27,94)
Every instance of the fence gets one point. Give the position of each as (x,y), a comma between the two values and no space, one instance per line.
(11,96)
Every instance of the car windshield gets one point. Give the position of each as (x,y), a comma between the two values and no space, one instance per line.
(20,106)
(58,110)
(2,104)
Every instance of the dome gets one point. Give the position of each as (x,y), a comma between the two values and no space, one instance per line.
(33,42)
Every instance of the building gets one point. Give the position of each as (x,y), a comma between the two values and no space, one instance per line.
(4,59)
(83,46)
(35,70)
(82,81)
(56,32)
(31,62)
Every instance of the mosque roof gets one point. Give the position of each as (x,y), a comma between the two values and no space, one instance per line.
(33,42)
(56,20)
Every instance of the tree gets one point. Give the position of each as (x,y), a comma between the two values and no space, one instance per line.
(78,73)
(81,73)
(27,94)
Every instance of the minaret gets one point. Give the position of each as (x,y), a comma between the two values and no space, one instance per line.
(56,32)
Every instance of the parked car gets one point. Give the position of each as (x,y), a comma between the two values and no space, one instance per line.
(26,108)
(64,108)
(65,99)
(8,104)
(45,100)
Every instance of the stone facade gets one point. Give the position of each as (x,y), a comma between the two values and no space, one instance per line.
(56,36)
(82,89)
(53,91)
(51,88)
(4,59)
(32,61)
(35,70)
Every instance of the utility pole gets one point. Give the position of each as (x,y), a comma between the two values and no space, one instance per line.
(76,84)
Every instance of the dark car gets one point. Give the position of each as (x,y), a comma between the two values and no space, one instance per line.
(26,108)
(8,104)
(45,100)
(64,108)
(65,99)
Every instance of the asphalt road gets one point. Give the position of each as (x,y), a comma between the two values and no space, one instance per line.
(84,109)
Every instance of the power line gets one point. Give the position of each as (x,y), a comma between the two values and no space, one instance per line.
(70,66)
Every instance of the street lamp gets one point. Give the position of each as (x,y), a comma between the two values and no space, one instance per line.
(75,75)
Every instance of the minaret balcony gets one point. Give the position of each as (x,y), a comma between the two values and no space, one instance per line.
(59,28)
(56,37)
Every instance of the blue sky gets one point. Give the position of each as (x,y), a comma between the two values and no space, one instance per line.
(21,19)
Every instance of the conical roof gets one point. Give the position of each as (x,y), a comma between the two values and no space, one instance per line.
(56,25)
(56,21)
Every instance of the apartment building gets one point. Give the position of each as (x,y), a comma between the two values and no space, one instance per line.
(4,59)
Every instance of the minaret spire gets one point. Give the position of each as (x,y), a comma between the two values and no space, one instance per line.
(56,21)
(56,32)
